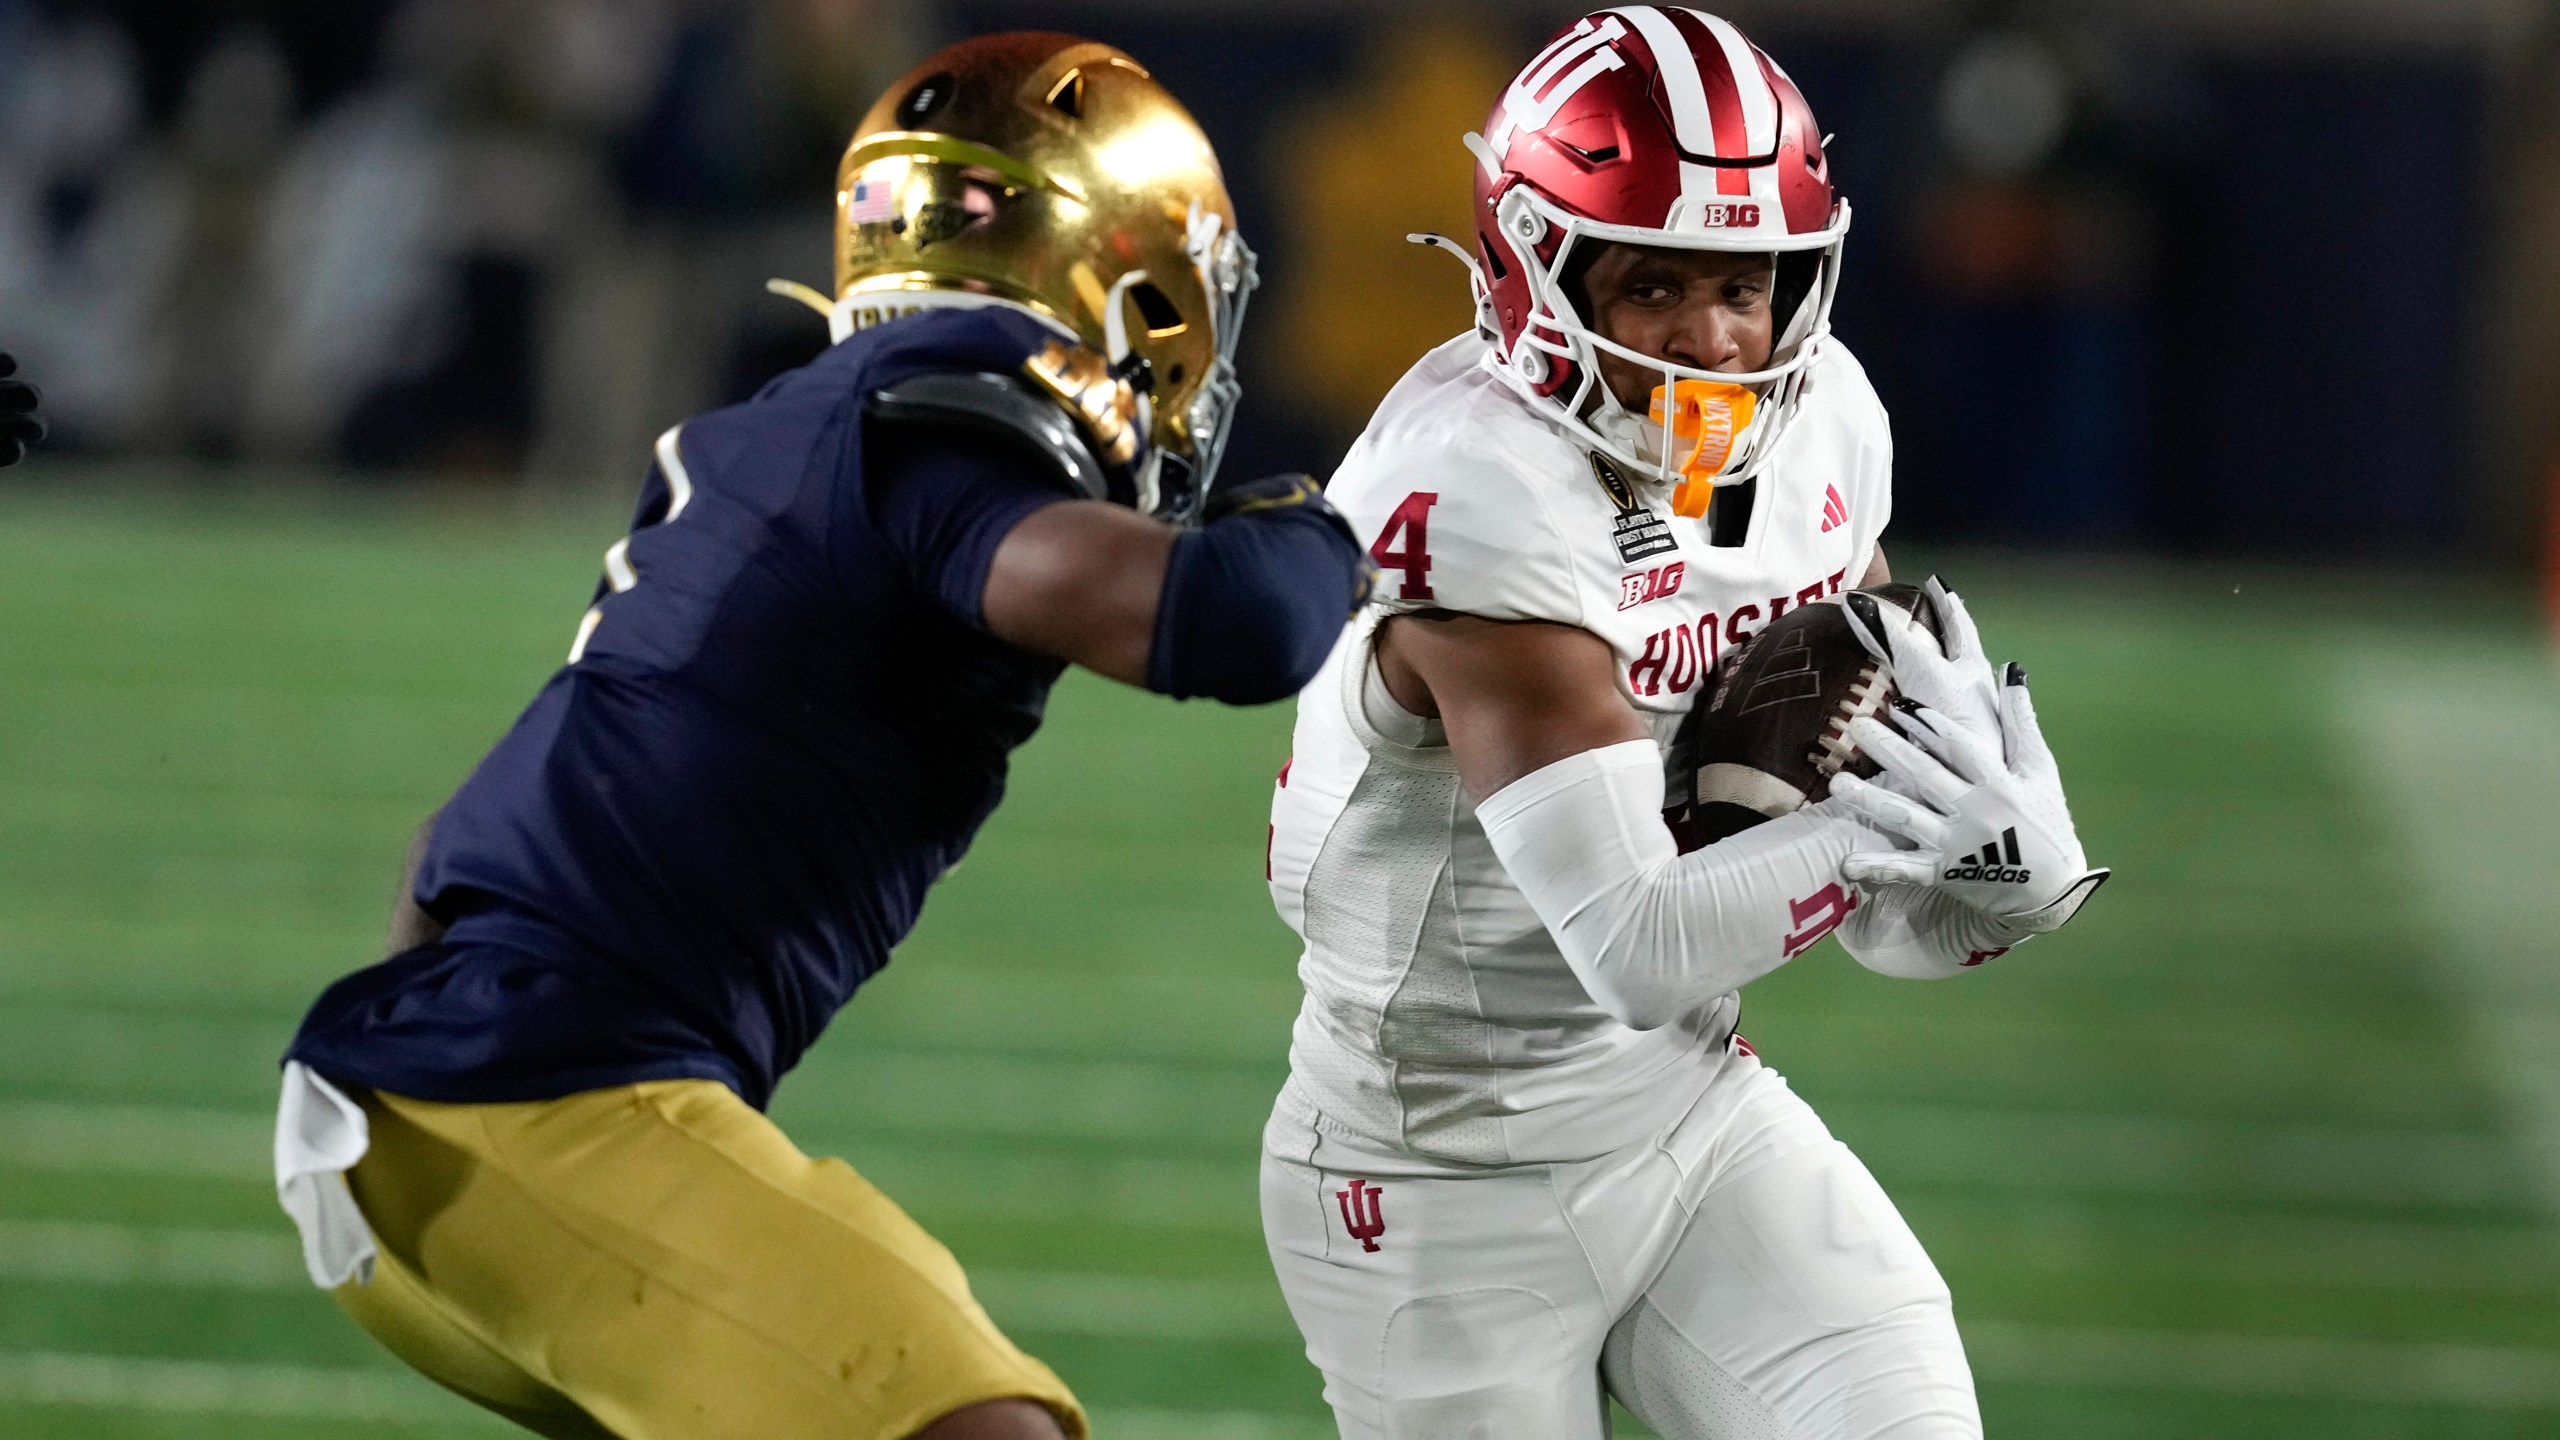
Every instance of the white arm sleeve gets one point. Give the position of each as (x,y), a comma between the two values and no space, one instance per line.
(1652,933)
(1913,933)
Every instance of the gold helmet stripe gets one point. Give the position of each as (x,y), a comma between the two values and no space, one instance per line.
(956,151)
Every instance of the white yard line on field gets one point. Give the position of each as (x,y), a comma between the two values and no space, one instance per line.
(2460,750)
(1136,1307)
(136,1140)
(1114,1424)
(2477,1377)
(2249,1245)
(82,1252)
(2405,1257)
(1156,1309)
(302,1392)
(204,1387)
(2466,1377)
(2053,1152)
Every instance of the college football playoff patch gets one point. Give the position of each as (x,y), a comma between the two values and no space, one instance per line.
(1640,533)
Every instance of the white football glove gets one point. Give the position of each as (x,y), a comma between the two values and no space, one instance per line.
(1951,676)
(1991,831)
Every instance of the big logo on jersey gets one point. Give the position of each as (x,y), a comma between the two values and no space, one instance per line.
(1646,586)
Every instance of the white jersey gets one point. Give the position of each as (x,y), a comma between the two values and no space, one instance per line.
(1440,1017)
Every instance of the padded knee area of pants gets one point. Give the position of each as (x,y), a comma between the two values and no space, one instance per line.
(1486,1364)
(1815,1229)
(1676,1388)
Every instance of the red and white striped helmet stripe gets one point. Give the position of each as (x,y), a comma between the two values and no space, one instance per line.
(1748,84)
(1721,102)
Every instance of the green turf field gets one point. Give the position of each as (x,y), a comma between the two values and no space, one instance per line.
(2232,1157)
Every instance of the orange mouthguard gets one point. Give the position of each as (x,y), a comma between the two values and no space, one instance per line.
(1711,416)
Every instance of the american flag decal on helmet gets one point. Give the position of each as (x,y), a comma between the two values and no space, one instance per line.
(870,203)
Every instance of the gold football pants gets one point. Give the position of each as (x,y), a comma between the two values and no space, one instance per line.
(657,1262)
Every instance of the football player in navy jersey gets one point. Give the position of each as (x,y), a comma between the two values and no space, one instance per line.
(527,1152)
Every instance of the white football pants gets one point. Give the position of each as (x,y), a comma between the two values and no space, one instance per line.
(1739,1277)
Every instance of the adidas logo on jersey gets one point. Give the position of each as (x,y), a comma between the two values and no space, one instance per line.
(1835,511)
(1992,864)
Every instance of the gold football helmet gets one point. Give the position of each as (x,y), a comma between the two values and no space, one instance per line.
(1055,175)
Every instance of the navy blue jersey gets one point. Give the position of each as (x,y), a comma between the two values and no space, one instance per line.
(783,721)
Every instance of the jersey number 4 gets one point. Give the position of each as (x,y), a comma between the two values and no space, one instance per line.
(1411,525)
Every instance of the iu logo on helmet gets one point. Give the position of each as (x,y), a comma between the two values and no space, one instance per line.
(1362,1214)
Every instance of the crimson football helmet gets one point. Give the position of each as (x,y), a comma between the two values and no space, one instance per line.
(1653,125)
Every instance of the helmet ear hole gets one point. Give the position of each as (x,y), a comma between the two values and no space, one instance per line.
(1067,96)
(1156,309)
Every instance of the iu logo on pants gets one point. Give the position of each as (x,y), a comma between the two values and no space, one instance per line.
(1361,1213)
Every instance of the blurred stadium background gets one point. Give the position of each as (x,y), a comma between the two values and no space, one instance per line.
(2223,343)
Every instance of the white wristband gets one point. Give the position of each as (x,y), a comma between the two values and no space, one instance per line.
(1651,933)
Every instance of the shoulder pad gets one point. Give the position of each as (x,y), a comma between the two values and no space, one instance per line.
(1465,524)
(997,405)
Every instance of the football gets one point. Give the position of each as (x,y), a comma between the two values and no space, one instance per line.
(1770,733)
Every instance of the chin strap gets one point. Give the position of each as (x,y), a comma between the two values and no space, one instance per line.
(1437,241)
(1475,276)
(807,295)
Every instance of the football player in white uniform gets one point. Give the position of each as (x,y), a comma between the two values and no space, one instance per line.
(1522,1155)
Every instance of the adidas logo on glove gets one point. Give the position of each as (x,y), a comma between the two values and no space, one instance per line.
(1992,865)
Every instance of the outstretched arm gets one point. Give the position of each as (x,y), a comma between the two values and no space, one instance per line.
(1079,580)
(1571,797)
(1242,609)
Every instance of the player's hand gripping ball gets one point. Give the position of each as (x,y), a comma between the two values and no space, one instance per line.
(1967,779)
(1985,815)
(19,427)
(1774,727)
